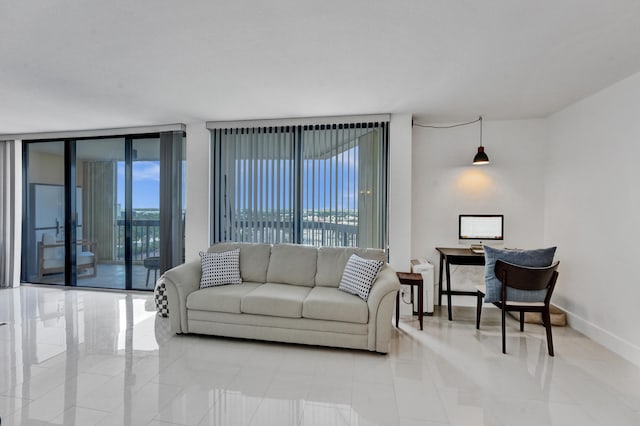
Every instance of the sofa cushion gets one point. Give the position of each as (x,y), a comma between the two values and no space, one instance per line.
(254,259)
(274,299)
(331,304)
(220,268)
(359,275)
(332,260)
(224,298)
(293,264)
(266,324)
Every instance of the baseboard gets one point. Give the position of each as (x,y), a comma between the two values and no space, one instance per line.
(616,344)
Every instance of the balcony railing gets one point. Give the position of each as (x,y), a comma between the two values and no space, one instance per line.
(313,232)
(145,235)
(145,239)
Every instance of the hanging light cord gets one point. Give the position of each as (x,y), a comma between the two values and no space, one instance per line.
(447,127)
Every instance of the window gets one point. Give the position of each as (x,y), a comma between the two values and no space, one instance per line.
(317,184)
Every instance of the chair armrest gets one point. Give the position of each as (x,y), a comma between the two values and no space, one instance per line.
(57,244)
(180,282)
(92,245)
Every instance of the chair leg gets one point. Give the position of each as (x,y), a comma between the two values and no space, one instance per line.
(504,337)
(478,310)
(147,282)
(521,321)
(547,326)
(397,308)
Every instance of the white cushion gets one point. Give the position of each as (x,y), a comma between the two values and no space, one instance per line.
(254,259)
(358,276)
(220,268)
(225,298)
(276,300)
(293,264)
(332,260)
(327,303)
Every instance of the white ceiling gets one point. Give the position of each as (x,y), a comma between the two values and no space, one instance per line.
(81,64)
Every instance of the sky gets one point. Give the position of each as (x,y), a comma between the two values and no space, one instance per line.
(145,186)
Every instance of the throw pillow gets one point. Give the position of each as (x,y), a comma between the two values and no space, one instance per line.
(220,268)
(538,257)
(358,276)
(162,302)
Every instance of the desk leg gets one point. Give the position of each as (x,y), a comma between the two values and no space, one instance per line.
(449,290)
(397,308)
(440,280)
(420,303)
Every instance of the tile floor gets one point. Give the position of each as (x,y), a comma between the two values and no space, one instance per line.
(108,276)
(81,357)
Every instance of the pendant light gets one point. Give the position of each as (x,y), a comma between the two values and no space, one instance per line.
(481,156)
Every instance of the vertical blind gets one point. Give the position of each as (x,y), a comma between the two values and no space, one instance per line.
(8,236)
(322,184)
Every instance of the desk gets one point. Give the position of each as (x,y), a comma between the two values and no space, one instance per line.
(455,256)
(411,279)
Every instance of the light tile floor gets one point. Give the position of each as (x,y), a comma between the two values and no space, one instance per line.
(108,276)
(80,357)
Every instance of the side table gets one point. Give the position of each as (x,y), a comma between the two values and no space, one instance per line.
(408,278)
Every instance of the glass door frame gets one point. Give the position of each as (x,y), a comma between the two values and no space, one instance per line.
(70,201)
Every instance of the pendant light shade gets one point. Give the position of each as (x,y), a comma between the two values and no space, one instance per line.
(481,157)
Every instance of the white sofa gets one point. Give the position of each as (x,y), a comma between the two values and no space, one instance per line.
(289,294)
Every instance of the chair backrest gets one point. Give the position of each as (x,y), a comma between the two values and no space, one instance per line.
(527,277)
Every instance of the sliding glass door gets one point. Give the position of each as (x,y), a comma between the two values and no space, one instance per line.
(99,210)
(145,212)
(44,230)
(107,232)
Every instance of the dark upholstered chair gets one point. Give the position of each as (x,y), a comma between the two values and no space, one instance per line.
(527,279)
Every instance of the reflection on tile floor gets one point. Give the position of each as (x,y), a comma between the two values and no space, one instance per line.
(109,276)
(79,357)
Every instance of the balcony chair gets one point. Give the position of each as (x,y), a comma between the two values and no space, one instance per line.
(526,279)
(152,264)
(51,257)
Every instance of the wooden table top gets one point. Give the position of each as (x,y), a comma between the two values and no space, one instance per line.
(458,251)
(409,277)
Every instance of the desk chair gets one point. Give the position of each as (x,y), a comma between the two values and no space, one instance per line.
(527,279)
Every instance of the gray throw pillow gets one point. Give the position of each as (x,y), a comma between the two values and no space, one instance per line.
(537,258)
(220,268)
(358,276)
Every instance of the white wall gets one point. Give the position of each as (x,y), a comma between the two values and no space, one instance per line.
(446,184)
(399,193)
(592,211)
(198,178)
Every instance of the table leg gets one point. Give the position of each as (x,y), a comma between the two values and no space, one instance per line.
(449,290)
(397,308)
(420,303)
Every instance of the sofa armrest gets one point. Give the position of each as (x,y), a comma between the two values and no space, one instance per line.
(384,288)
(180,282)
(386,282)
